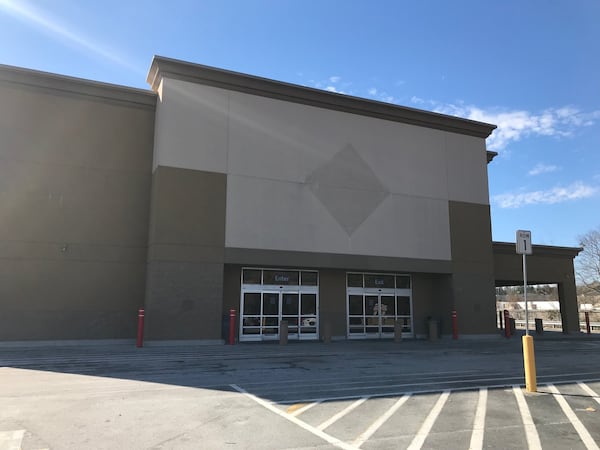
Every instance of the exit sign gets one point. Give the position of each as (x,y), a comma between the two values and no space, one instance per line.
(524,242)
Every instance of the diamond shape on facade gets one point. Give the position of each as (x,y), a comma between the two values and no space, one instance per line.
(348,188)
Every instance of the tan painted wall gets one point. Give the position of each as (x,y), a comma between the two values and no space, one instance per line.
(473,294)
(75,165)
(184,290)
(309,179)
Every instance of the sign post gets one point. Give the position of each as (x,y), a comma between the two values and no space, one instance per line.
(523,246)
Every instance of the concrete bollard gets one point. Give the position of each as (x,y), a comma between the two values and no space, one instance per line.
(231,338)
(588,329)
(397,331)
(454,325)
(283,332)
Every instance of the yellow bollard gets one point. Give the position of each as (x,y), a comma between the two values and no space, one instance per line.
(529,363)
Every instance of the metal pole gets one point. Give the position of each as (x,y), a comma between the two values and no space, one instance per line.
(525,292)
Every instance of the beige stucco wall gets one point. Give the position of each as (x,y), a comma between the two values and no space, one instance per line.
(75,170)
(312,179)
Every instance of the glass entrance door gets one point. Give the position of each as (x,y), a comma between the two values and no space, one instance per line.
(376,302)
(271,311)
(379,315)
(264,312)
(264,307)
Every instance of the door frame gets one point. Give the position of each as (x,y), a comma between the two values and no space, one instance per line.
(262,289)
(394,293)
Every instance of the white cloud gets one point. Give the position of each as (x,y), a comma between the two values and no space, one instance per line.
(381,96)
(330,85)
(542,168)
(558,194)
(516,124)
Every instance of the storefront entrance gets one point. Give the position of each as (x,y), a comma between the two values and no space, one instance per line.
(376,302)
(269,297)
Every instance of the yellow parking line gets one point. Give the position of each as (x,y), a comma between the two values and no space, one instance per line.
(295,407)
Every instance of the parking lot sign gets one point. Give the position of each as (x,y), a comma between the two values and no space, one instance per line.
(524,242)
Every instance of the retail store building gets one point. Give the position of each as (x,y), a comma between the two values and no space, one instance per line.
(218,190)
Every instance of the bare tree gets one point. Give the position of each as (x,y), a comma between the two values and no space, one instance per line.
(588,261)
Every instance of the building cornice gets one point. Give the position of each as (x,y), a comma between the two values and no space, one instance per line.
(76,86)
(162,67)
(491,155)
(537,250)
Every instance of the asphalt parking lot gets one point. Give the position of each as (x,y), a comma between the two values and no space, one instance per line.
(371,395)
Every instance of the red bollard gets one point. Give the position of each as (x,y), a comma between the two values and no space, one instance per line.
(231,327)
(506,323)
(454,325)
(587,323)
(140,334)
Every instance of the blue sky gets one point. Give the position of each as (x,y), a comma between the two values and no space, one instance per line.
(532,68)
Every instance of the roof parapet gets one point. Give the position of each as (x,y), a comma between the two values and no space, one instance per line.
(162,67)
(19,76)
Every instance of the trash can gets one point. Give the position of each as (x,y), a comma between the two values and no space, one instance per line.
(539,326)
(283,332)
(432,325)
(397,331)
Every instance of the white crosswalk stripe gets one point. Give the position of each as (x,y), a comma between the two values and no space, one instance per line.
(352,411)
(590,391)
(342,413)
(419,439)
(479,423)
(533,439)
(363,437)
(11,440)
(587,439)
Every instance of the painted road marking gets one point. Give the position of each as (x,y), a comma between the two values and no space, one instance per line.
(326,437)
(585,436)
(364,436)
(423,432)
(533,438)
(333,419)
(477,433)
(479,422)
(11,440)
(301,408)
(590,391)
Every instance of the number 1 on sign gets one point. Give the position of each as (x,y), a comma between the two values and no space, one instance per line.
(523,242)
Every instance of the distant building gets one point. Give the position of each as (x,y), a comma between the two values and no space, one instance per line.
(218,190)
